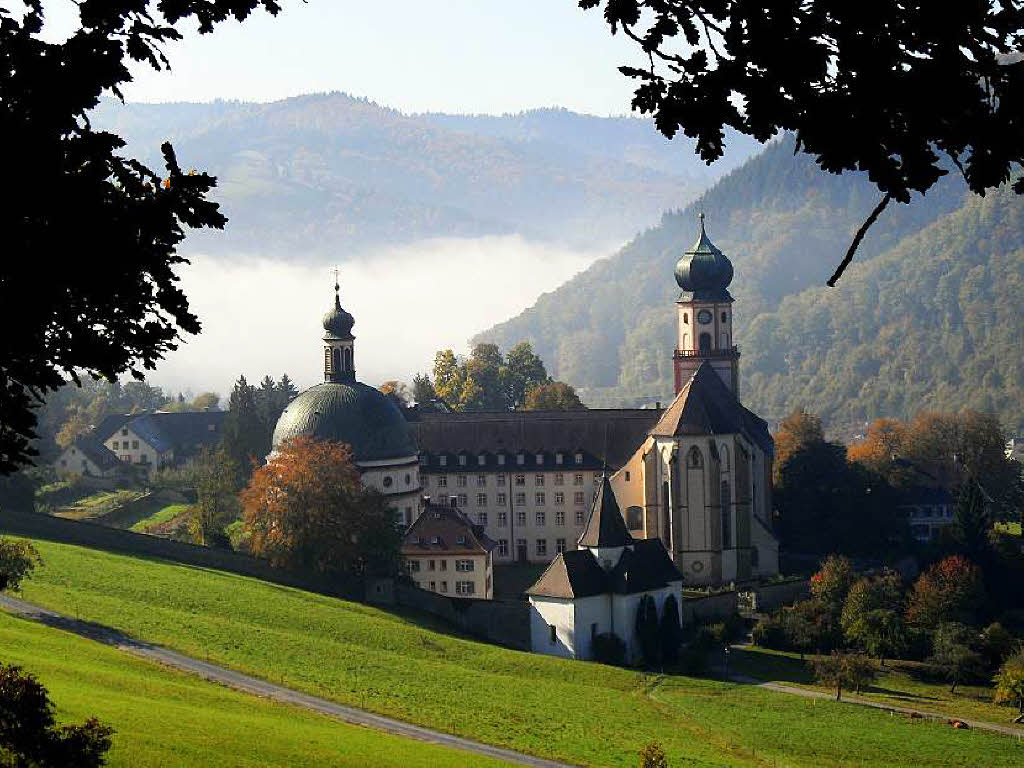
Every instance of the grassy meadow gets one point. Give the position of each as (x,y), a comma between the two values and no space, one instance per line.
(899,684)
(575,711)
(160,519)
(166,718)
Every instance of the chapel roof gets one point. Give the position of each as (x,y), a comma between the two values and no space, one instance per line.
(605,526)
(644,566)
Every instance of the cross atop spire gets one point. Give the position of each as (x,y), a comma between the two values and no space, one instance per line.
(336,286)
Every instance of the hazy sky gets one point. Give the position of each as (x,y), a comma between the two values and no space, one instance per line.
(488,56)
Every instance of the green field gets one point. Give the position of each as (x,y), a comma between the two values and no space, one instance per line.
(899,684)
(97,505)
(576,711)
(160,518)
(165,718)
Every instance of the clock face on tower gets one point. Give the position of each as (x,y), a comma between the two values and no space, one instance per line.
(704,317)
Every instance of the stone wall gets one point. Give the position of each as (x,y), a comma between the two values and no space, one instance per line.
(708,608)
(771,597)
(505,622)
(130,543)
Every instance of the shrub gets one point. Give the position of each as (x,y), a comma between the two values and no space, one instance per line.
(997,643)
(955,655)
(769,633)
(833,581)
(18,558)
(608,648)
(852,670)
(1010,682)
(694,658)
(653,756)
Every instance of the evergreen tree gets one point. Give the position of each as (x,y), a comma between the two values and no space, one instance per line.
(671,631)
(286,390)
(246,437)
(647,631)
(972,524)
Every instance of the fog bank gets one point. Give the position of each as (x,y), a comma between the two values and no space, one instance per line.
(262,316)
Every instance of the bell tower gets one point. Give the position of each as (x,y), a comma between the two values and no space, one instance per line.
(339,343)
(705,321)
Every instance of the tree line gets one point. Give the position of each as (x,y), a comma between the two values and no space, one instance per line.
(489,380)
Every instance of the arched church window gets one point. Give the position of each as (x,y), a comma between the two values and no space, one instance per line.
(337,361)
(723,452)
(634,518)
(348,360)
(724,317)
(695,459)
(686,318)
(726,516)
(705,342)
(666,531)
(327,359)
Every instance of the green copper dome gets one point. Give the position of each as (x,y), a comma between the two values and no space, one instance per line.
(704,270)
(338,323)
(348,412)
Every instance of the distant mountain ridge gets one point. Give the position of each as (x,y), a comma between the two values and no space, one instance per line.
(910,325)
(324,174)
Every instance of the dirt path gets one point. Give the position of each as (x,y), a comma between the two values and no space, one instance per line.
(253,685)
(983,725)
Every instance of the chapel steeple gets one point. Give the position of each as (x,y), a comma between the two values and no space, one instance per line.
(339,361)
(705,313)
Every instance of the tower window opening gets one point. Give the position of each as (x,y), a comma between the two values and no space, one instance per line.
(337,361)
(348,360)
(686,318)
(725,317)
(705,342)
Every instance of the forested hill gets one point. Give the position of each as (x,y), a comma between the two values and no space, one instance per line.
(928,316)
(328,174)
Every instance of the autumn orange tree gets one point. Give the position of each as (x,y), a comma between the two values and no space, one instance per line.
(307,509)
(949,591)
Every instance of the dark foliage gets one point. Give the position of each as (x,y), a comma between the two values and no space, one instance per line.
(647,631)
(856,83)
(608,648)
(121,312)
(29,735)
(671,631)
(18,559)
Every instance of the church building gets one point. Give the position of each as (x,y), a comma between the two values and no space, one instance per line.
(344,410)
(695,475)
(596,589)
(701,478)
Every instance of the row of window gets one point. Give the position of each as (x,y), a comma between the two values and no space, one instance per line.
(539,499)
(481,460)
(461,481)
(540,547)
(122,445)
(463,566)
(461,587)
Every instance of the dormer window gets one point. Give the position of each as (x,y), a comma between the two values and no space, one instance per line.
(540,459)
(424,460)
(521,458)
(443,461)
(558,458)
(462,461)
(480,460)
(579,458)
(435,540)
(460,540)
(501,459)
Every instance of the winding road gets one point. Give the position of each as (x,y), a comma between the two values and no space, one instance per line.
(253,685)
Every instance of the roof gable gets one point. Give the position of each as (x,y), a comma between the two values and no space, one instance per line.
(571,575)
(706,406)
(439,529)
(605,526)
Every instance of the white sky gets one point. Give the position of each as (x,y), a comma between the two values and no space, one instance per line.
(478,56)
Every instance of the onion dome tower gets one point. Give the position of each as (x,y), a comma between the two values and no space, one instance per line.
(705,314)
(339,343)
(344,410)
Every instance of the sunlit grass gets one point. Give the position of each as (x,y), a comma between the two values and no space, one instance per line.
(166,718)
(576,711)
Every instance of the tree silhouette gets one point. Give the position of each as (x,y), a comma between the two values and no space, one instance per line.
(900,90)
(105,226)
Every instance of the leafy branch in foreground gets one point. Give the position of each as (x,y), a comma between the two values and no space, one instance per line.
(889,88)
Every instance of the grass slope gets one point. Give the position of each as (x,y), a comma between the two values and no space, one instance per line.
(165,718)
(899,684)
(576,711)
(160,518)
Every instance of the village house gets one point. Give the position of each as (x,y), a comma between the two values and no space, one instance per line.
(447,553)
